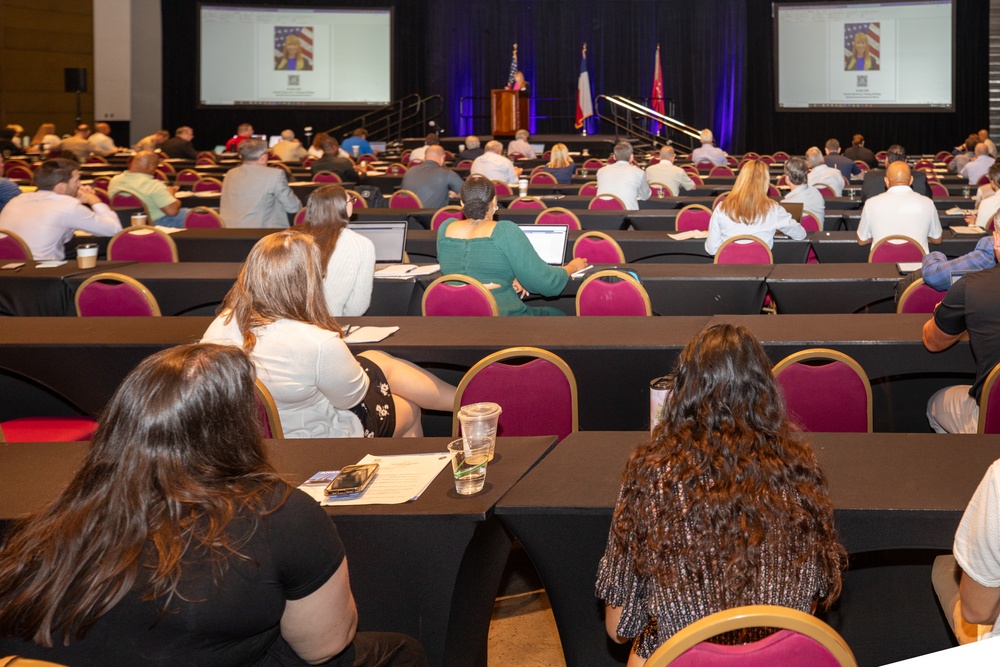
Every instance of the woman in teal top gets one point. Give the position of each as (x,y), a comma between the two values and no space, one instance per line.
(498,254)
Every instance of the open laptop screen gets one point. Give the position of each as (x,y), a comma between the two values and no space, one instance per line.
(389,239)
(549,241)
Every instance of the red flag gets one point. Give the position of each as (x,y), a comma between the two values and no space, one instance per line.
(656,103)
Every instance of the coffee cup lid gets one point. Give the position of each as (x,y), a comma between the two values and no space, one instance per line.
(476,411)
(86,245)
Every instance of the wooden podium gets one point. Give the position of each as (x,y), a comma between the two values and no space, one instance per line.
(510,112)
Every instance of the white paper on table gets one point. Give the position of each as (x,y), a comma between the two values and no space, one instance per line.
(401,478)
(977,654)
(955,210)
(967,229)
(908,267)
(368,334)
(170,230)
(690,234)
(425,270)
(50,264)
(395,271)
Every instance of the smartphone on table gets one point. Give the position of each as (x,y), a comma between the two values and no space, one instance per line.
(352,480)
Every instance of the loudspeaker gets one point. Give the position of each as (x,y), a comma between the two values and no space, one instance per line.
(76,79)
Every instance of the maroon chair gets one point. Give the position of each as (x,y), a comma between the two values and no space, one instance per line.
(300,218)
(989,404)
(446,213)
(515,156)
(267,412)
(693,217)
(606,203)
(208,184)
(767,159)
(395,169)
(126,201)
(661,190)
(896,248)
(743,249)
(202,217)
(47,429)
(527,202)
(772,191)
(463,164)
(919,297)
(543,177)
(825,190)
(825,391)
(598,248)
(593,163)
(455,295)
(557,215)
(20,175)
(721,171)
(538,397)
(404,199)
(326,177)
(588,189)
(938,190)
(810,222)
(503,189)
(610,293)
(114,295)
(13,247)
(367,158)
(142,244)
(187,177)
(862,165)
(781,156)
(983,180)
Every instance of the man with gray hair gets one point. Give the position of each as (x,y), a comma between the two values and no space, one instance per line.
(163,207)
(521,146)
(623,179)
(667,173)
(494,166)
(288,149)
(708,152)
(976,168)
(820,173)
(255,195)
(472,148)
(179,146)
(797,172)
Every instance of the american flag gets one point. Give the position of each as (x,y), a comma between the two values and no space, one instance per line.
(870,30)
(513,68)
(305,34)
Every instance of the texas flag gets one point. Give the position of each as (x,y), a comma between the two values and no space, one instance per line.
(584,102)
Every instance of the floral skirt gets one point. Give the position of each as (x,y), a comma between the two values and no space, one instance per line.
(376,410)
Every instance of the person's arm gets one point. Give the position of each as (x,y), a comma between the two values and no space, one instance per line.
(980,604)
(644,192)
(786,224)
(936,268)
(98,219)
(322,624)
(339,376)
(715,233)
(686,181)
(612,615)
(534,274)
(935,232)
(978,553)
(286,197)
(360,297)
(864,228)
(936,340)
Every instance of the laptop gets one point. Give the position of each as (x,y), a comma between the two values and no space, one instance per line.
(273,139)
(549,241)
(389,239)
(377,146)
(794,208)
(538,148)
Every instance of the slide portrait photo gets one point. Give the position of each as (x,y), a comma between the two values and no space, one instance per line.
(293,48)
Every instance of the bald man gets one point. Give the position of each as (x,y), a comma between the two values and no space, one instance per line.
(100,140)
(164,209)
(667,173)
(976,168)
(899,211)
(430,181)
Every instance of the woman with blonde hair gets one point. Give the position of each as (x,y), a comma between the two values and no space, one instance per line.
(46,138)
(291,55)
(276,311)
(347,257)
(561,165)
(724,506)
(748,210)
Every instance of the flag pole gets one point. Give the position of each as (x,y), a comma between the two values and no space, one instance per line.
(584,120)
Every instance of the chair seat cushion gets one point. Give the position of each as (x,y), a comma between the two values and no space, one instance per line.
(48,429)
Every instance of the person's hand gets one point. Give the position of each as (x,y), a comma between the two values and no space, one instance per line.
(518,170)
(996,242)
(575,265)
(970,219)
(85,194)
(172,189)
(519,289)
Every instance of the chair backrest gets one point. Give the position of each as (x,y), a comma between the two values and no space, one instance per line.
(205,157)
(704,166)
(365,158)
(598,248)
(503,189)
(810,221)
(832,396)
(593,163)
(527,202)
(126,201)
(208,184)
(396,169)
(941,155)
(780,156)
(20,174)
(267,412)
(187,176)
(538,397)
(896,248)
(881,156)
(300,217)
(720,198)
(919,297)
(720,170)
(203,217)
(142,244)
(13,246)
(282,166)
(609,292)
(359,201)
(693,217)
(96,159)
(515,155)
(446,213)
(802,641)
(862,165)
(468,298)
(661,190)
(326,177)
(989,404)
(923,164)
(557,215)
(606,203)
(825,190)
(983,180)
(463,164)
(743,249)
(543,177)
(767,159)
(772,191)
(588,189)
(114,295)
(404,199)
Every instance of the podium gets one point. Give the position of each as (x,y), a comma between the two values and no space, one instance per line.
(510,112)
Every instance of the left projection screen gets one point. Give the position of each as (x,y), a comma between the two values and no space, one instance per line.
(271,56)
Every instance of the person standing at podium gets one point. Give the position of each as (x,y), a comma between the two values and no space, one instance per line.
(520,85)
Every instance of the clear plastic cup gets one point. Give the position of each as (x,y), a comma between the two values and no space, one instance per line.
(479,424)
(468,465)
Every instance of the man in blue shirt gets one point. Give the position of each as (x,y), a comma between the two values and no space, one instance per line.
(937,268)
(359,139)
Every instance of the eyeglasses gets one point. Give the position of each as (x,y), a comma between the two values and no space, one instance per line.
(352,200)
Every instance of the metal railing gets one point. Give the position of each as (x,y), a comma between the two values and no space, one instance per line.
(635,119)
(395,119)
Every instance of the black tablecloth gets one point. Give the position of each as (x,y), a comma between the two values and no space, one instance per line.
(429,568)
(44,292)
(891,492)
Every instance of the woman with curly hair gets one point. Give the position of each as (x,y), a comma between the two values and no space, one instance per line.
(725,506)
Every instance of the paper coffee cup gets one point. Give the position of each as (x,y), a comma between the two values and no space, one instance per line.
(86,255)
(139,219)
(659,391)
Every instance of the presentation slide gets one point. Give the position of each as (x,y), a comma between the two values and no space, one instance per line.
(865,56)
(294,57)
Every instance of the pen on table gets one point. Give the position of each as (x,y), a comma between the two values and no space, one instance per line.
(579,274)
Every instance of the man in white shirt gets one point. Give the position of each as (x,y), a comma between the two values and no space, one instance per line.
(289,149)
(495,166)
(708,152)
(521,145)
(418,152)
(984,136)
(45,219)
(819,172)
(623,179)
(899,211)
(667,173)
(812,200)
(989,206)
(101,142)
(978,166)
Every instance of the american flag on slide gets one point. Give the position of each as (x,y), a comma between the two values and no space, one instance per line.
(871,31)
(305,35)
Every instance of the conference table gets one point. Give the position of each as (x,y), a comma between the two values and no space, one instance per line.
(895,497)
(40,291)
(613,358)
(429,568)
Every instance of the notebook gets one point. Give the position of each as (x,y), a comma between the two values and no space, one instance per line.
(389,239)
(549,241)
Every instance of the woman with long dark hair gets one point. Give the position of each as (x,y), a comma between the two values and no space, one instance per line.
(347,257)
(177,543)
(724,506)
(276,311)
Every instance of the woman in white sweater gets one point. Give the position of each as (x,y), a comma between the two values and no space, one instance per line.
(348,258)
(276,312)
